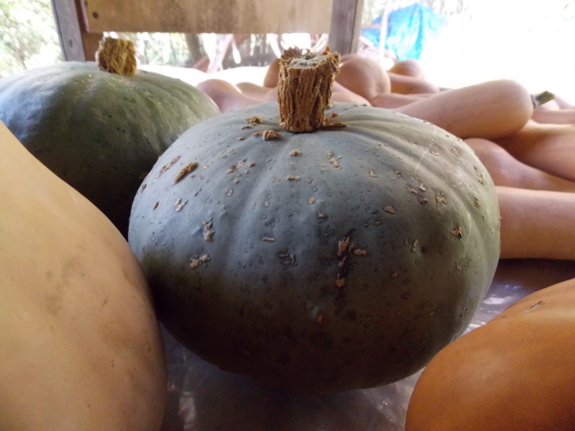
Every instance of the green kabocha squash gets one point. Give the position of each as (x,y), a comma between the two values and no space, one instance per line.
(100,127)
(81,348)
(326,261)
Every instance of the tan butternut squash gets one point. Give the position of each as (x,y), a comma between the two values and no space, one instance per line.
(363,76)
(80,346)
(489,110)
(404,84)
(408,67)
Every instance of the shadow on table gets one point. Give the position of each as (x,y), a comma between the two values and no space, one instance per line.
(204,398)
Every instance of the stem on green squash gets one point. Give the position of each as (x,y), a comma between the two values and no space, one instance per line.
(305,87)
(117,56)
(541,98)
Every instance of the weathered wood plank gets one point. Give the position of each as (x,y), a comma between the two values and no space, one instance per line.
(345,25)
(77,44)
(209,16)
(68,24)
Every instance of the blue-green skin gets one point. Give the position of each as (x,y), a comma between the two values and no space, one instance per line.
(267,303)
(98,131)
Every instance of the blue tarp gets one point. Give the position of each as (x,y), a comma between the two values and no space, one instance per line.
(407,30)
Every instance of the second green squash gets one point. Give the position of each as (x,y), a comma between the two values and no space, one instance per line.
(101,132)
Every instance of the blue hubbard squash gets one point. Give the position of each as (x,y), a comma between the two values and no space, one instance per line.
(81,347)
(321,251)
(100,126)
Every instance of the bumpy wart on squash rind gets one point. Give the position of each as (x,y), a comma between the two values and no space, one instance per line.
(98,131)
(326,261)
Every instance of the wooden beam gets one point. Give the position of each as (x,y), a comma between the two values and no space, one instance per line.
(91,42)
(201,16)
(345,25)
(77,44)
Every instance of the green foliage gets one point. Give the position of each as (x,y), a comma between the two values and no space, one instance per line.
(160,48)
(28,35)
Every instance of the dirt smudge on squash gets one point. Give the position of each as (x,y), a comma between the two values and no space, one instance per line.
(180,204)
(187,170)
(268,135)
(333,159)
(254,121)
(196,262)
(167,166)
(288,259)
(54,298)
(457,231)
(208,232)
(343,245)
(440,199)
(238,165)
(333,124)
(532,307)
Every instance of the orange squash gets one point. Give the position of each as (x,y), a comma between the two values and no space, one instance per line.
(516,373)
(489,110)
(363,76)
(408,67)
(80,346)
(403,84)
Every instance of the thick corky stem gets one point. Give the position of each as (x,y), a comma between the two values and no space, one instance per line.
(304,88)
(117,56)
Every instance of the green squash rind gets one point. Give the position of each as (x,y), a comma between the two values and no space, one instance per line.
(267,302)
(100,132)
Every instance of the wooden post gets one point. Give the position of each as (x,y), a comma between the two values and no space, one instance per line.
(77,44)
(345,25)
